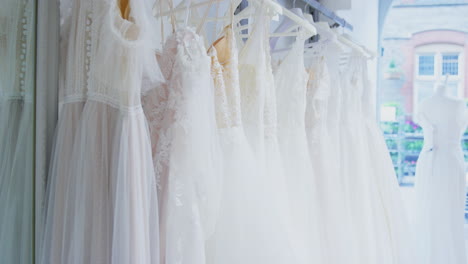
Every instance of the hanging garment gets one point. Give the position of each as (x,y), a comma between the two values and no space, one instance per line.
(74,71)
(113,198)
(367,215)
(187,156)
(258,107)
(322,127)
(17,132)
(291,87)
(440,182)
(400,237)
(234,240)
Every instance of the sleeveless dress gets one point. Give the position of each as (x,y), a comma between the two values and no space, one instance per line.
(441,183)
(234,238)
(73,85)
(186,151)
(399,240)
(17,132)
(291,87)
(114,201)
(258,107)
(323,124)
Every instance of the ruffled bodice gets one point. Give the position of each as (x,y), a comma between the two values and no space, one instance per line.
(121,45)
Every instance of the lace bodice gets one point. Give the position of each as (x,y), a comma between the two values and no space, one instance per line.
(318,93)
(352,84)
(226,77)
(17,50)
(291,86)
(76,53)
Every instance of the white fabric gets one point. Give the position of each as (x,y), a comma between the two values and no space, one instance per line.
(258,106)
(322,122)
(102,192)
(16,131)
(291,88)
(440,181)
(186,152)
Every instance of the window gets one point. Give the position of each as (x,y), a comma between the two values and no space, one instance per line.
(426,65)
(450,64)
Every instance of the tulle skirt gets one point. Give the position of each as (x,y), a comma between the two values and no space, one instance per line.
(398,241)
(337,234)
(56,235)
(115,214)
(302,195)
(16,224)
(440,200)
(367,215)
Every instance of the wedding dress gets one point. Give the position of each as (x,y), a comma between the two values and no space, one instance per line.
(73,85)
(17,133)
(395,222)
(440,180)
(382,233)
(111,201)
(322,121)
(234,240)
(258,108)
(291,87)
(186,151)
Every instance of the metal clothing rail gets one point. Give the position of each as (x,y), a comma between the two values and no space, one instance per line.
(328,13)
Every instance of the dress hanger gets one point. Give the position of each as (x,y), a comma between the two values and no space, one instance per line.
(124,6)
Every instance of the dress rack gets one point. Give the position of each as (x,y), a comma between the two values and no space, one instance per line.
(328,13)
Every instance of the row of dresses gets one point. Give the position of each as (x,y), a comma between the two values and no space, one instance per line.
(16,130)
(217,158)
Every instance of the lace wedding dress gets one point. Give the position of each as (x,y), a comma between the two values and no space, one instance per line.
(234,239)
(110,199)
(440,181)
(322,122)
(186,151)
(17,131)
(291,87)
(273,227)
(382,234)
(74,72)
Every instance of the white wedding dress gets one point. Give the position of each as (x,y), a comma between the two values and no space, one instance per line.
(110,200)
(322,127)
(17,132)
(440,181)
(235,239)
(291,87)
(74,71)
(273,228)
(186,152)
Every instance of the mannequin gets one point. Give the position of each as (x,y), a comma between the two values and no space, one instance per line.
(440,179)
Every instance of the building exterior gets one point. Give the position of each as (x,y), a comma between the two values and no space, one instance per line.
(422,42)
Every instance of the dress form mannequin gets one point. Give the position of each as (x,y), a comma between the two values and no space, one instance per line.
(440,180)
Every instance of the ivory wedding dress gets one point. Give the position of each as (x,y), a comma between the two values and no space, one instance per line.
(258,106)
(74,71)
(17,132)
(235,239)
(322,127)
(186,151)
(110,196)
(440,180)
(291,88)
